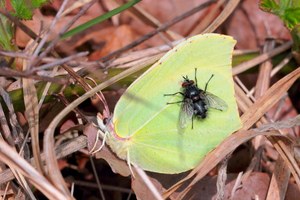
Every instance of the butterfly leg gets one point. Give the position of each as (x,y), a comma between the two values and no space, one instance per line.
(95,144)
(103,135)
(129,164)
(102,145)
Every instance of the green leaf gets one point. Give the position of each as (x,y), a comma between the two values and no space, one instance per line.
(287,10)
(24,8)
(6,32)
(269,6)
(146,128)
(38,3)
(296,45)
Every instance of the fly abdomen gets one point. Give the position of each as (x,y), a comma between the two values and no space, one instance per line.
(200,109)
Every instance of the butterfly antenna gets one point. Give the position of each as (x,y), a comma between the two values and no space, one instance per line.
(208,82)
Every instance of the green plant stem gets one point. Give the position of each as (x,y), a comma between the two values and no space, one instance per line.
(99,19)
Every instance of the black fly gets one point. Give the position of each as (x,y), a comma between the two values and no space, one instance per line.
(196,101)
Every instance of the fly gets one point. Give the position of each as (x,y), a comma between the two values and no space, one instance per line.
(196,101)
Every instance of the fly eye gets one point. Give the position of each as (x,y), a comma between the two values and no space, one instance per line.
(185,84)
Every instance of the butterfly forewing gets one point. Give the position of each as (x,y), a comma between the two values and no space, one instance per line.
(215,102)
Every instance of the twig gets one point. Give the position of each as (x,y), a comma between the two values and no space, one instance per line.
(148,19)
(283,63)
(229,8)
(264,78)
(148,182)
(61,151)
(7,72)
(17,22)
(14,54)
(105,187)
(289,123)
(259,59)
(57,62)
(55,175)
(276,69)
(11,158)
(97,178)
(47,34)
(237,185)
(161,28)
(65,28)
(222,176)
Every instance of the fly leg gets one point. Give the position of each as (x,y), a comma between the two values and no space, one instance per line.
(193,122)
(208,82)
(196,77)
(174,94)
(175,102)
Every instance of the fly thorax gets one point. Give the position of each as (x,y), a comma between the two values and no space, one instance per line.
(192,92)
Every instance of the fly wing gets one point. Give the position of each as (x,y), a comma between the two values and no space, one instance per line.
(215,102)
(186,112)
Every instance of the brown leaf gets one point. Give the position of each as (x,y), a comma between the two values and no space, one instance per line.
(141,190)
(32,110)
(269,99)
(250,26)
(255,186)
(214,157)
(113,38)
(117,165)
